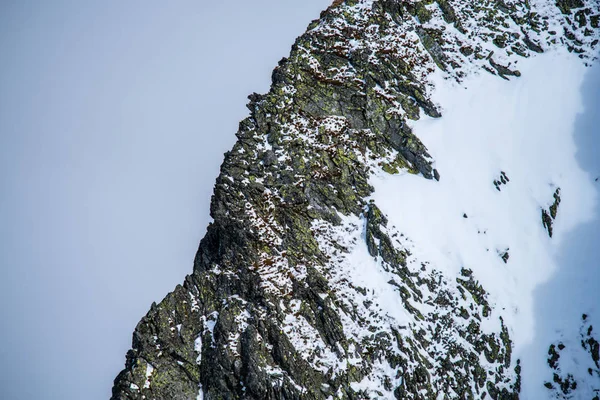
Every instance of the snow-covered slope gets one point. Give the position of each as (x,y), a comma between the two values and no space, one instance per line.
(389,214)
(525,129)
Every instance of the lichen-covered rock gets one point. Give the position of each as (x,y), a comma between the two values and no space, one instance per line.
(280,303)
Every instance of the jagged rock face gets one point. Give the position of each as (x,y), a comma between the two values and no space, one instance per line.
(276,307)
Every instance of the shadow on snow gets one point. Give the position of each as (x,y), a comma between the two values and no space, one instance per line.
(574,288)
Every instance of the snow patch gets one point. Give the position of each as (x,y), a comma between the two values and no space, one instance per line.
(149,371)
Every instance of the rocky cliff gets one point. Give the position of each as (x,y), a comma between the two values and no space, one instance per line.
(277,306)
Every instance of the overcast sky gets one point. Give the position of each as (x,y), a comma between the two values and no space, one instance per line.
(114,116)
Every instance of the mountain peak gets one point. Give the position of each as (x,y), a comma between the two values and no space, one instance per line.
(307,284)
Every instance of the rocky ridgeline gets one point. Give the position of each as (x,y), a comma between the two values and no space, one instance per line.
(274,308)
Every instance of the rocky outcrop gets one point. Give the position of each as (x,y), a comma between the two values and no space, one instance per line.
(548,216)
(274,308)
(569,376)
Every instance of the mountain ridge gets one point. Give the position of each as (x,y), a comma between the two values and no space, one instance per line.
(272,309)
